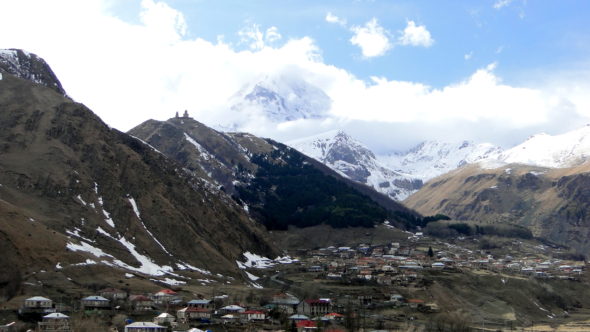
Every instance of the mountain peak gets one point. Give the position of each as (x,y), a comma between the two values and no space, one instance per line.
(29,66)
(282,98)
(353,159)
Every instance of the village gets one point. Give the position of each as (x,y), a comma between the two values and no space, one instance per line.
(345,288)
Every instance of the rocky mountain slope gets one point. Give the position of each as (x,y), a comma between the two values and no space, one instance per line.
(552,203)
(75,193)
(278,185)
(351,158)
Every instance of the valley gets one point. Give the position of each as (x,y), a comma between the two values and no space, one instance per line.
(177,226)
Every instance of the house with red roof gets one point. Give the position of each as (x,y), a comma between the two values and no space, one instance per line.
(415,303)
(165,296)
(306,325)
(254,315)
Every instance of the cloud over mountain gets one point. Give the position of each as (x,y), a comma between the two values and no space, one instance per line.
(151,67)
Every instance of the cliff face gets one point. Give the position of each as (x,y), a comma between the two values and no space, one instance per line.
(553,203)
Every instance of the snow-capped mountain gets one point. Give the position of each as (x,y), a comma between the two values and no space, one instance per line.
(430,159)
(30,67)
(558,151)
(280,98)
(352,159)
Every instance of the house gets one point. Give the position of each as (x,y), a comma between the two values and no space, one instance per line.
(254,315)
(192,313)
(232,309)
(396,298)
(415,303)
(298,317)
(38,304)
(285,302)
(306,325)
(95,303)
(200,304)
(438,265)
(55,322)
(113,294)
(315,268)
(229,318)
(144,327)
(165,296)
(164,318)
(315,307)
(141,303)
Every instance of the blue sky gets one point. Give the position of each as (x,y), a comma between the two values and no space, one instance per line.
(522,36)
(397,72)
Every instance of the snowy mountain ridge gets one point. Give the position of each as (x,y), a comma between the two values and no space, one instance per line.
(354,160)
(430,159)
(554,151)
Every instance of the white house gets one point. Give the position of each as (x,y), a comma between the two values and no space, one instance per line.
(38,302)
(95,302)
(164,318)
(254,315)
(55,322)
(144,327)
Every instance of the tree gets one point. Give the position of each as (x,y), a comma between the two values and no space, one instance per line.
(430,252)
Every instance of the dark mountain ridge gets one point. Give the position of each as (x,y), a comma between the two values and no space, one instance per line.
(277,184)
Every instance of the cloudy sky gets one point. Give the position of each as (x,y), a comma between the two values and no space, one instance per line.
(397,72)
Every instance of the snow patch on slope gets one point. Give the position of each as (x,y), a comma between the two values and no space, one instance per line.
(147,265)
(260,262)
(204,153)
(136,211)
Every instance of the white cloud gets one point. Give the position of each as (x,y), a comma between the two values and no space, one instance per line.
(501,3)
(371,38)
(129,72)
(272,35)
(163,21)
(256,39)
(416,35)
(331,18)
(468,56)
